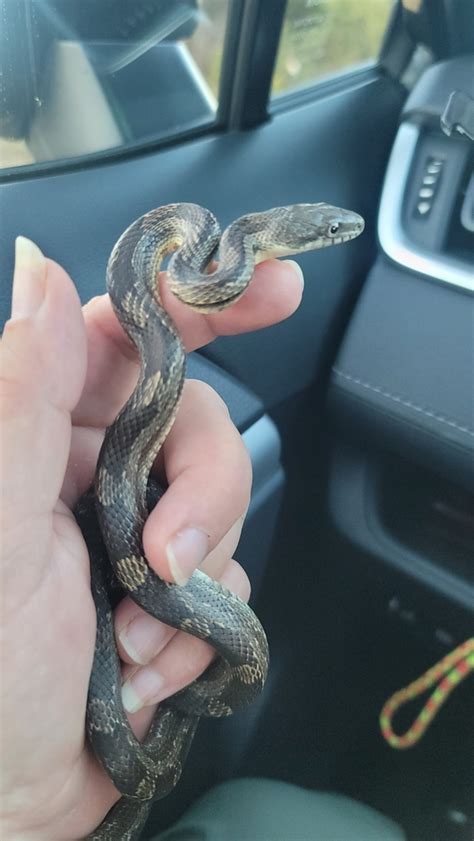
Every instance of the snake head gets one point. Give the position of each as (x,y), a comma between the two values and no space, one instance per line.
(318,225)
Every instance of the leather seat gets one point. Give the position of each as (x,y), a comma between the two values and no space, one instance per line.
(269,810)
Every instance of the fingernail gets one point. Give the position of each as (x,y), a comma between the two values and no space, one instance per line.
(142,638)
(297,270)
(142,689)
(185,552)
(28,279)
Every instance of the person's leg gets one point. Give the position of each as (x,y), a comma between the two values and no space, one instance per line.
(268,810)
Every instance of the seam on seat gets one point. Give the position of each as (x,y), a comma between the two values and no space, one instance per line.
(396,398)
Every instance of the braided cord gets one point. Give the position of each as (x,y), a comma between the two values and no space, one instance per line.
(452,669)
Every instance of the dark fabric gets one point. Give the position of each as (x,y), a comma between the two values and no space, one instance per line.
(267,810)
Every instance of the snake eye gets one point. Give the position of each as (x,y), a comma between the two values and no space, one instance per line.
(334,228)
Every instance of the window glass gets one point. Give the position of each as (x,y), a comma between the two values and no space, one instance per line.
(321,38)
(82,76)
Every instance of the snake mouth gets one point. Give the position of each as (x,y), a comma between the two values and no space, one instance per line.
(343,238)
(325,242)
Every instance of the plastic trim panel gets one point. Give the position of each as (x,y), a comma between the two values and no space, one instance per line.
(391,235)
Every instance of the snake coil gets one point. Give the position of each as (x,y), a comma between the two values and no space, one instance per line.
(145,771)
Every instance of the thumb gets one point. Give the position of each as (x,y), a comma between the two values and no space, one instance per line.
(42,370)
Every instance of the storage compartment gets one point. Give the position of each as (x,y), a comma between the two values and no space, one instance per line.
(428,516)
(410,520)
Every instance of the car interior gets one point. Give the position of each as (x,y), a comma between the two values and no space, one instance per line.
(358,411)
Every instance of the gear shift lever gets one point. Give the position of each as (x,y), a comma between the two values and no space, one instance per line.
(458,116)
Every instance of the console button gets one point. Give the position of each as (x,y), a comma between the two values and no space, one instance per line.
(423,208)
(429,183)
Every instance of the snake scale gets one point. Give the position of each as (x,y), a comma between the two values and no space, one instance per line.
(122,494)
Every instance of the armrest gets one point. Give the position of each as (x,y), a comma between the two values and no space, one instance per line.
(403,376)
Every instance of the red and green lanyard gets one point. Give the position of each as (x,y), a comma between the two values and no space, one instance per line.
(452,669)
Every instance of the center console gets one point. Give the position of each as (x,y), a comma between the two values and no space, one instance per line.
(402,390)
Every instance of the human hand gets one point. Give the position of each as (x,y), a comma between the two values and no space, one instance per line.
(65,373)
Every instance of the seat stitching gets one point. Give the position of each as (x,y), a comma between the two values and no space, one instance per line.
(430,413)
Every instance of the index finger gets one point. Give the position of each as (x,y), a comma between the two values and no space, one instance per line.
(273,294)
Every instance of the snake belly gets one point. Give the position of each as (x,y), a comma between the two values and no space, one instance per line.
(120,501)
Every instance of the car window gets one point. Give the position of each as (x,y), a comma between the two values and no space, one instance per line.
(82,76)
(99,77)
(321,38)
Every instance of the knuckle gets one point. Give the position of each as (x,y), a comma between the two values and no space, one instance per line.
(200,390)
(244,462)
(125,611)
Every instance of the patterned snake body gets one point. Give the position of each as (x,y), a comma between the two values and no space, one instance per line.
(149,770)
